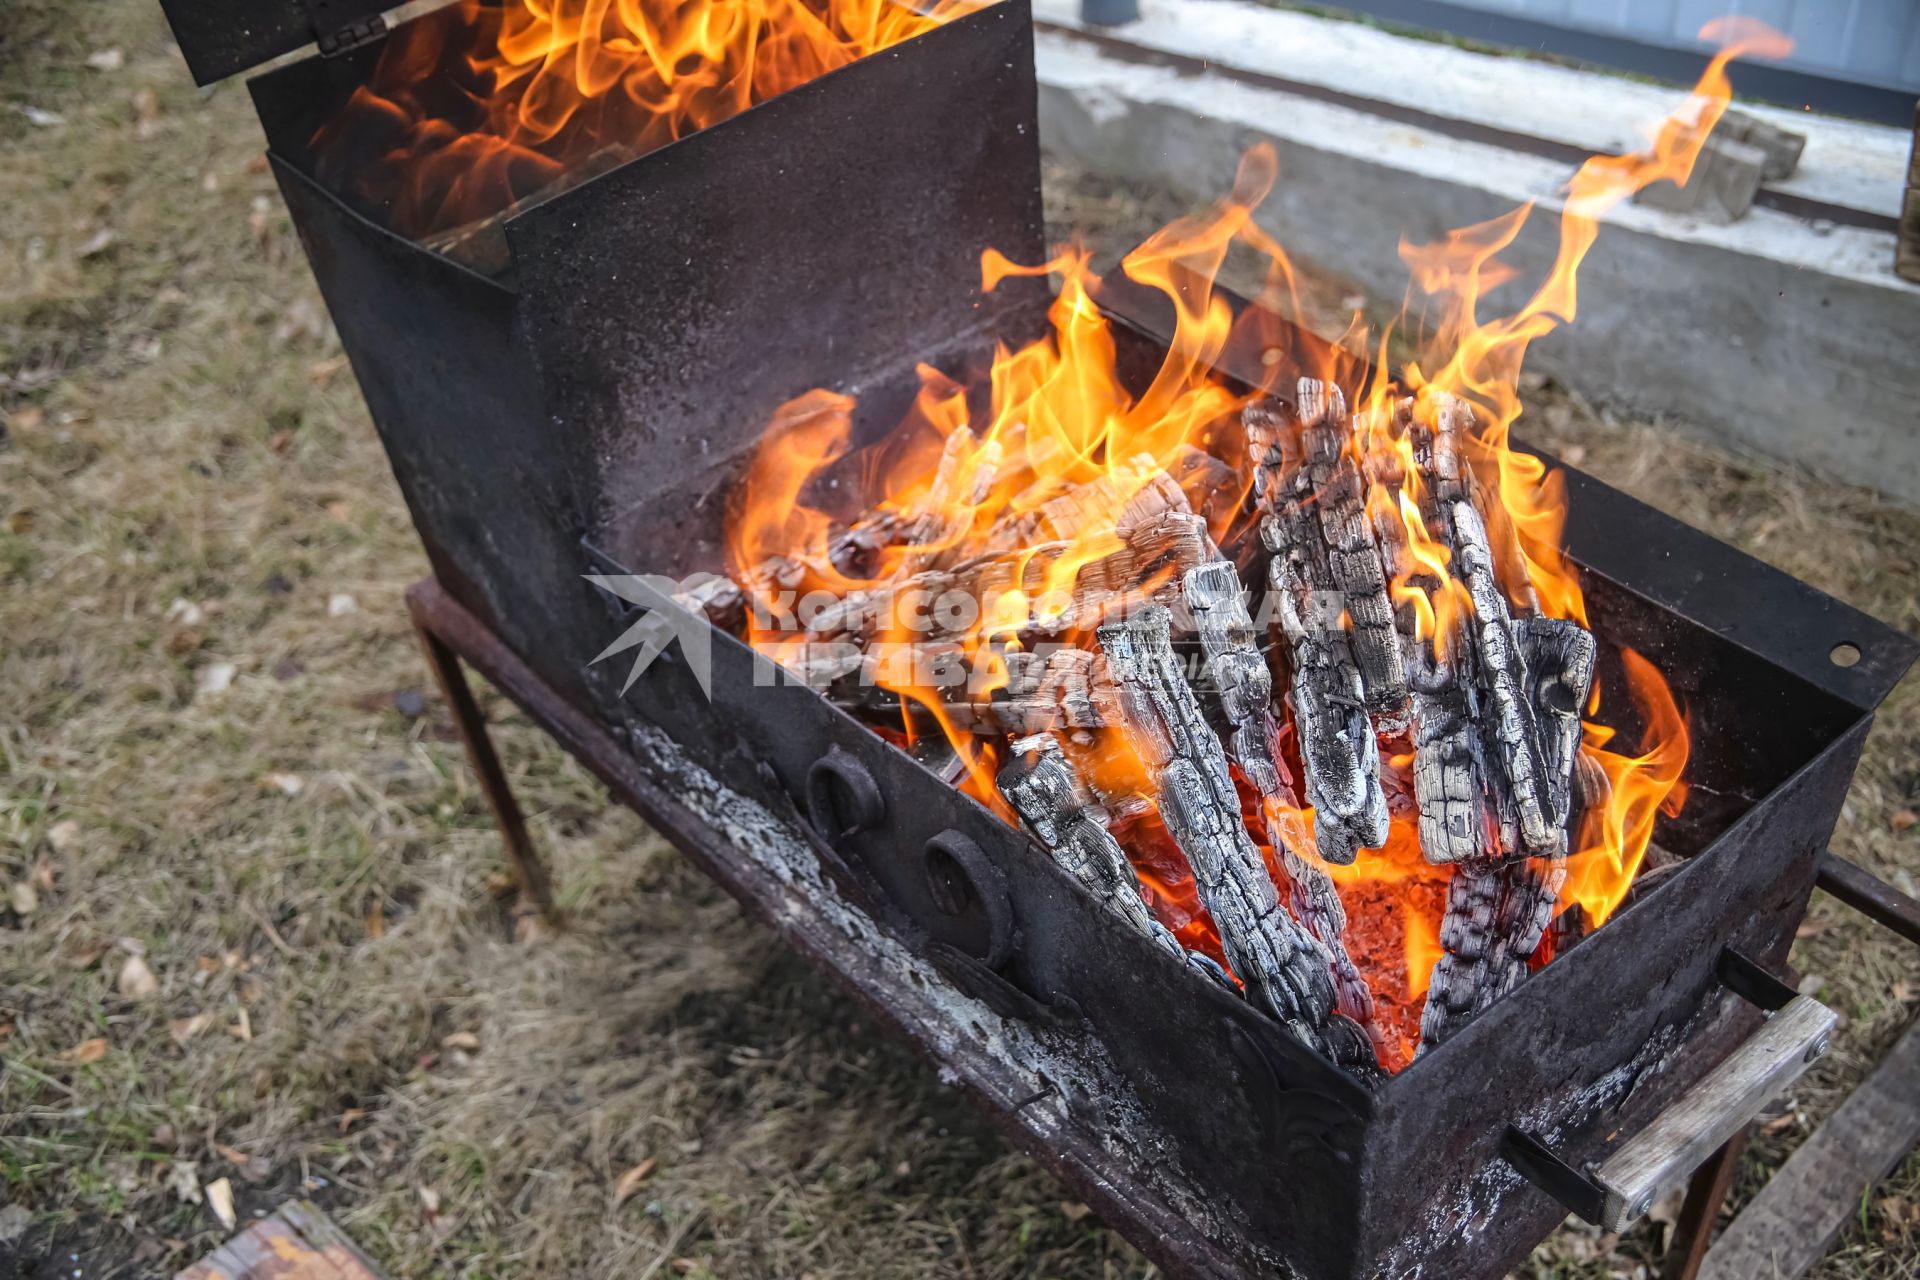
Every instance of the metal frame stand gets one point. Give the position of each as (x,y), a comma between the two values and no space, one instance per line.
(535,887)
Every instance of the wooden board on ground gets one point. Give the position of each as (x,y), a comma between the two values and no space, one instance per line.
(1794,1220)
(298,1242)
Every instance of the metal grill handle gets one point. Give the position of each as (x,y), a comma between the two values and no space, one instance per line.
(1797,1034)
(1723,1103)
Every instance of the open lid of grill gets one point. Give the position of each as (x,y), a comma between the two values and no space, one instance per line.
(223,37)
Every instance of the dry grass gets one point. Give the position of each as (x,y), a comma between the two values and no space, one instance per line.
(302,858)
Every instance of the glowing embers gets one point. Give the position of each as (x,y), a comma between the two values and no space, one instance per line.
(480,105)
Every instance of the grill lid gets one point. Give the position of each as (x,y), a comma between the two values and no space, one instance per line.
(223,37)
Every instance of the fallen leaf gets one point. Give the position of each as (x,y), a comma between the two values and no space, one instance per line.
(6,1029)
(166,1139)
(280,441)
(98,243)
(215,678)
(291,784)
(1906,992)
(20,522)
(340,604)
(185,641)
(87,1051)
(14,1221)
(243,1029)
(220,1200)
(106,59)
(43,872)
(1074,1211)
(136,980)
(350,1117)
(630,1180)
(64,836)
(1810,929)
(251,1169)
(28,417)
(430,1201)
(185,612)
(23,898)
(1903,819)
(146,109)
(376,920)
(338,508)
(1779,1125)
(683,1266)
(462,1040)
(88,955)
(185,1029)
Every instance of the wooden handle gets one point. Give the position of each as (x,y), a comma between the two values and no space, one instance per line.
(1723,1103)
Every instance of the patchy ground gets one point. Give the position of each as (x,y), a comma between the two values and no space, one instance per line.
(250,924)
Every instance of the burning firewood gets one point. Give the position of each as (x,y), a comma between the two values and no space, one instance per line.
(1330,593)
(1059,811)
(1213,594)
(1056,688)
(967,470)
(1151,555)
(1494,724)
(1285,969)
(1496,915)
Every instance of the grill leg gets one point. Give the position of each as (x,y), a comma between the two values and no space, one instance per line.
(472,724)
(1705,1194)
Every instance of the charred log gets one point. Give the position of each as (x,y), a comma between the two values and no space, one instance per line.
(1214,597)
(1301,473)
(1496,916)
(1062,814)
(1285,969)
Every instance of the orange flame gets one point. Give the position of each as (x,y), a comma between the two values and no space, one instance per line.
(478,105)
(1039,487)
(1613,838)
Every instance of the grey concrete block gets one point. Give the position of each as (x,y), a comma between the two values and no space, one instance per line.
(1725,179)
(1783,147)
